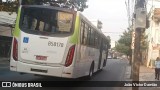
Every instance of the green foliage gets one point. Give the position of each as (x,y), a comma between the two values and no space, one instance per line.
(122,48)
(126,38)
(11,6)
(144,43)
(124,43)
(8,6)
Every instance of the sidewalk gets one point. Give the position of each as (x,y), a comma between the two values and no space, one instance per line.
(146,74)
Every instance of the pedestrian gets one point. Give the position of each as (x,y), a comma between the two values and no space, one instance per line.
(157,68)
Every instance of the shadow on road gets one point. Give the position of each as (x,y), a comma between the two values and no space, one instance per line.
(51,78)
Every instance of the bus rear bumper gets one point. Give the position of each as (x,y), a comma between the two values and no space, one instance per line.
(41,70)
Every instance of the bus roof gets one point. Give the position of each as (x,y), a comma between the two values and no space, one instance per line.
(51,7)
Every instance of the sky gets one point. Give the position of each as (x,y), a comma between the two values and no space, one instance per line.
(112,13)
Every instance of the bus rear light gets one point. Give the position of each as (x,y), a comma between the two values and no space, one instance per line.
(15,49)
(70,56)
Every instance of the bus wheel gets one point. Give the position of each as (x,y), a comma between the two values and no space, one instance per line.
(103,66)
(91,71)
(104,62)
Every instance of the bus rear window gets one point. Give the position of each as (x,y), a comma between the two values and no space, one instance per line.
(46,20)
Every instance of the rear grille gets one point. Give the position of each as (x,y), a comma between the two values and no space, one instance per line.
(39,70)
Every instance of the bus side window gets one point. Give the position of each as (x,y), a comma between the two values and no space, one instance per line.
(92,38)
(103,43)
(106,45)
(82,32)
(89,36)
(99,42)
(85,34)
(96,40)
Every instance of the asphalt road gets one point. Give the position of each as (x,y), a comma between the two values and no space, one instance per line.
(114,71)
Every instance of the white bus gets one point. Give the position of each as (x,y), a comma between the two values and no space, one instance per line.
(58,42)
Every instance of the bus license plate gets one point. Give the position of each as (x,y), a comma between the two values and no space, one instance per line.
(41,57)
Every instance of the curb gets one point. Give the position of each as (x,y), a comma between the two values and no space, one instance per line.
(127,77)
(127,73)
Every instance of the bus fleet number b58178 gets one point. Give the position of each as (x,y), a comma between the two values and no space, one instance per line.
(56,44)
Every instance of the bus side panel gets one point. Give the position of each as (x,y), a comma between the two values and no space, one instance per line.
(13,63)
(69,71)
(80,65)
(16,34)
(96,59)
(83,55)
(72,70)
(103,58)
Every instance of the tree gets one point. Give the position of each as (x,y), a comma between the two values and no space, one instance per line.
(122,48)
(11,6)
(124,43)
(144,43)
(143,46)
(8,6)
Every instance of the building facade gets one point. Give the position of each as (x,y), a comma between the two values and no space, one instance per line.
(6,32)
(153,32)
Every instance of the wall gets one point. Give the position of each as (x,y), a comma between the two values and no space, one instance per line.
(153,33)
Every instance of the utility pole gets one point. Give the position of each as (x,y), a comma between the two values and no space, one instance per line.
(132,47)
(136,62)
(131,27)
(140,24)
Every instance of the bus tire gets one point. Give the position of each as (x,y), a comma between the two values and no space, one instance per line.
(104,62)
(91,71)
(103,66)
